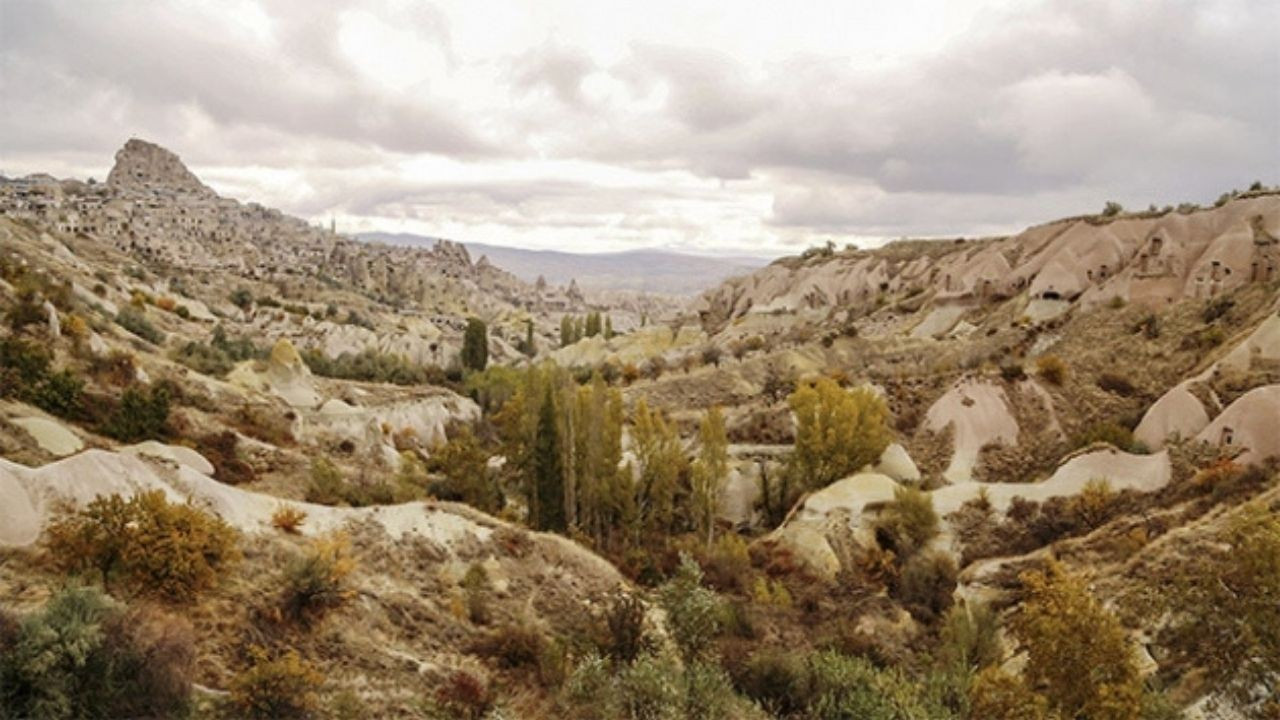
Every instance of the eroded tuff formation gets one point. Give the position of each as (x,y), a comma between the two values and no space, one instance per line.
(154,208)
(1154,259)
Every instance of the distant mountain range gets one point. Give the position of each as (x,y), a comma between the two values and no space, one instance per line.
(656,271)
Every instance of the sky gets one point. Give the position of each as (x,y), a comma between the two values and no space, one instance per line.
(749,127)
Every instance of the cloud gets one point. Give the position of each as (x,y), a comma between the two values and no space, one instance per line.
(665,123)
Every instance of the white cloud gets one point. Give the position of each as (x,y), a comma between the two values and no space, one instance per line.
(687,123)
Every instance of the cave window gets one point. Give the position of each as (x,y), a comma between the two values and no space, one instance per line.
(1228,437)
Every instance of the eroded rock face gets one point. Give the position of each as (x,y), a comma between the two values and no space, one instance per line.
(141,165)
(1146,260)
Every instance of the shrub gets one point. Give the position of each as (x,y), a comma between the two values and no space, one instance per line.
(141,415)
(1204,338)
(1116,384)
(1094,501)
(83,655)
(326,486)
(60,393)
(927,582)
(177,550)
(708,693)
(1013,372)
(318,581)
(368,365)
(465,466)
(117,368)
(241,298)
(711,355)
(650,689)
(778,680)
(1076,651)
(1052,369)
(1216,309)
(997,695)
(23,365)
(172,551)
(969,638)
(221,450)
(624,636)
(1222,604)
(1112,209)
(1108,432)
(205,359)
(135,321)
(465,695)
(288,519)
(276,687)
(693,611)
(475,587)
(727,563)
(28,310)
(846,687)
(908,523)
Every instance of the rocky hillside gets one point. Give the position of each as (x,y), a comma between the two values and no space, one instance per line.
(901,483)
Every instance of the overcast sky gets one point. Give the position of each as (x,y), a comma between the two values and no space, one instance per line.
(713,126)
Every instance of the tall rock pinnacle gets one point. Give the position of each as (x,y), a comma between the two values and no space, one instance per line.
(141,165)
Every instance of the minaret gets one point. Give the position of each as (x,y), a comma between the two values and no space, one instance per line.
(333,225)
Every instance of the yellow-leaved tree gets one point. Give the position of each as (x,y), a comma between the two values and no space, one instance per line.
(837,431)
(709,470)
(1078,654)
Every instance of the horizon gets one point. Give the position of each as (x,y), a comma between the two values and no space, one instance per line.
(690,129)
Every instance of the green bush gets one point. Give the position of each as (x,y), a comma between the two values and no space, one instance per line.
(908,523)
(83,655)
(241,298)
(650,689)
(778,680)
(927,582)
(464,465)
(624,636)
(693,611)
(141,415)
(23,365)
(1110,433)
(370,366)
(136,322)
(60,394)
(1117,385)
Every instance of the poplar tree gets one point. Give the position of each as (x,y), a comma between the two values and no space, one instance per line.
(709,471)
(475,345)
(661,464)
(548,468)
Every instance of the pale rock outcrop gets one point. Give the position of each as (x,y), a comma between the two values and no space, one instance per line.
(845,511)
(1177,414)
(896,463)
(978,412)
(52,436)
(283,374)
(1250,425)
(55,325)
